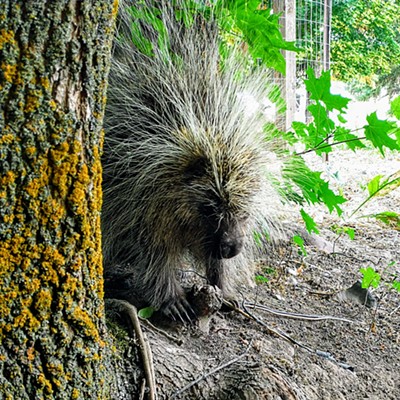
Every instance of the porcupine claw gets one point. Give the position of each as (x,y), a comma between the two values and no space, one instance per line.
(187,309)
(181,310)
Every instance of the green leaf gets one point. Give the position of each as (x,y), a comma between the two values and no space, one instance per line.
(370,278)
(397,134)
(146,312)
(311,136)
(374,185)
(343,135)
(259,29)
(344,229)
(377,131)
(261,237)
(313,188)
(395,107)
(323,126)
(261,279)
(341,118)
(396,285)
(349,231)
(298,240)
(390,218)
(275,96)
(149,16)
(257,238)
(320,90)
(311,225)
(300,129)
(377,186)
(272,132)
(384,186)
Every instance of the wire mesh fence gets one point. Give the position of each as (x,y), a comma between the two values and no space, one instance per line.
(313,35)
(307,22)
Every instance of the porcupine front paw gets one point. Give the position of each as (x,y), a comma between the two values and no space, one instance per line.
(178,309)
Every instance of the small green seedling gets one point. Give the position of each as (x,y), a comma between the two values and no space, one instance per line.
(299,242)
(370,278)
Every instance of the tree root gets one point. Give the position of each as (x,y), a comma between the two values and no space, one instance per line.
(147,358)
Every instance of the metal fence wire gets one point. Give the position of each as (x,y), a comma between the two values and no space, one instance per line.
(308,23)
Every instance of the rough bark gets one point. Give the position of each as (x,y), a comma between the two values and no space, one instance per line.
(213,362)
(54,58)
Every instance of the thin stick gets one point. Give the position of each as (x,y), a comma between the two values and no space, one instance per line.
(142,389)
(277,332)
(394,311)
(305,317)
(212,372)
(284,335)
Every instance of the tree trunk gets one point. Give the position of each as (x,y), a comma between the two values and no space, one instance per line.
(54,59)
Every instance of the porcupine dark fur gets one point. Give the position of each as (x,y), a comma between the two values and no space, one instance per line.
(186,164)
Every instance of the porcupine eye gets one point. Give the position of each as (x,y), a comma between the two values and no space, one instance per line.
(196,169)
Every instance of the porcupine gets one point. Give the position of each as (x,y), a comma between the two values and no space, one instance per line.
(185,162)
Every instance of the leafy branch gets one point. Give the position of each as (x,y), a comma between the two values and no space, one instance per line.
(320,147)
(315,137)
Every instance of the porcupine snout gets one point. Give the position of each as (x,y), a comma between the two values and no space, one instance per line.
(230,247)
(228,241)
(230,244)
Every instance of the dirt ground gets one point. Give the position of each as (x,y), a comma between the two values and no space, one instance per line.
(369,347)
(354,359)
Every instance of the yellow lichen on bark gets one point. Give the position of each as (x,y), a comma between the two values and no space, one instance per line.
(50,275)
(9,72)
(52,91)
(62,187)
(6,36)
(43,300)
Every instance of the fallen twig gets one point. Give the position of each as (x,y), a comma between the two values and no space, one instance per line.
(142,390)
(394,311)
(277,332)
(212,372)
(287,314)
(284,335)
